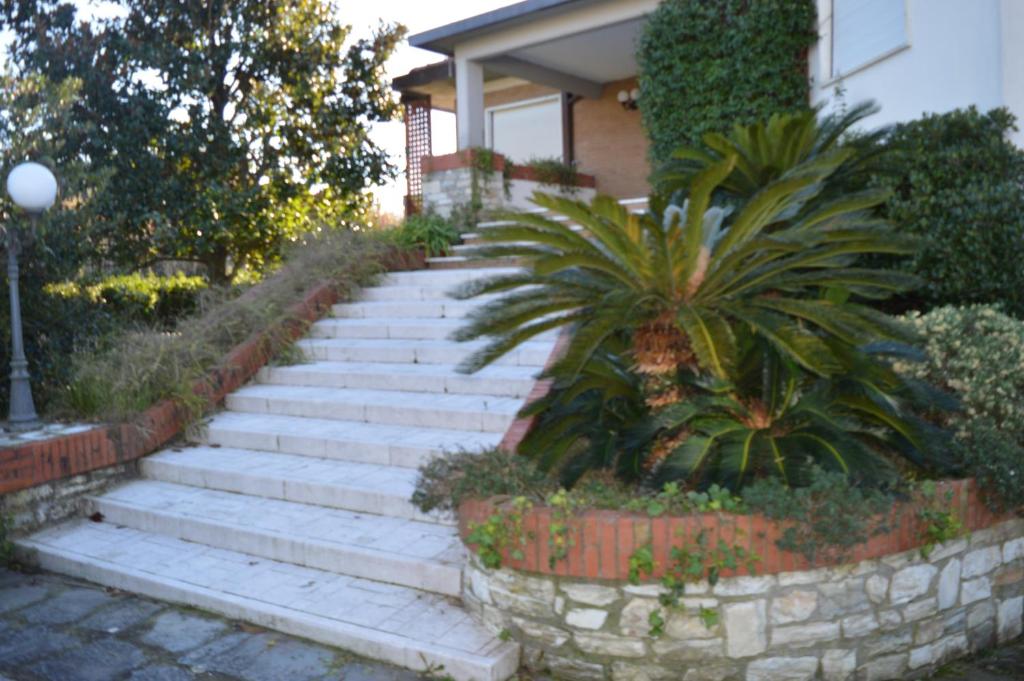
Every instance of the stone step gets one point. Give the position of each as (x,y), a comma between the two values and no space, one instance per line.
(342,440)
(505,381)
(360,487)
(529,354)
(469,249)
(423,556)
(411,328)
(441,278)
(391,407)
(456,262)
(396,624)
(445,308)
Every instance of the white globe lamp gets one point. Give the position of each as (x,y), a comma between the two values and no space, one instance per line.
(33,188)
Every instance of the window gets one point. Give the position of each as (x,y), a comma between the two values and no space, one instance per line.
(864,30)
(528,129)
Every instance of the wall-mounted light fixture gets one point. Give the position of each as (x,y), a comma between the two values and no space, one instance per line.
(629,99)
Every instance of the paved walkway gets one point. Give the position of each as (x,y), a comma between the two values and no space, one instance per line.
(59,629)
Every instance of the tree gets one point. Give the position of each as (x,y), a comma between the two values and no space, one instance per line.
(230,127)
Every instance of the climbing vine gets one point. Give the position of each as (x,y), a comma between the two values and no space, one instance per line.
(706,65)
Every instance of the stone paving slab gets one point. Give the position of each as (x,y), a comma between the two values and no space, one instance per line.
(59,629)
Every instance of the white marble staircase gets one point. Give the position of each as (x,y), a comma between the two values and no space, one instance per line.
(293,511)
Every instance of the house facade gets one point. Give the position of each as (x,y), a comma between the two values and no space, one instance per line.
(546,79)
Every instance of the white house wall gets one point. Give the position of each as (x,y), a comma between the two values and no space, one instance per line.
(958,53)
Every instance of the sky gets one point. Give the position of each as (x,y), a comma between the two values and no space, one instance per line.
(417,16)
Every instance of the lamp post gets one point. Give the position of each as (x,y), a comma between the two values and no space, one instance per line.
(33,188)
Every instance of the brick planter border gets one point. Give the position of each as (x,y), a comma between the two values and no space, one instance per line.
(36,463)
(466,159)
(601,542)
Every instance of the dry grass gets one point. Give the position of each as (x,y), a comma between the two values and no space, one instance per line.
(135,369)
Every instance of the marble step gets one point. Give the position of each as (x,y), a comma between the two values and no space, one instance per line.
(420,555)
(455,262)
(391,407)
(359,487)
(442,278)
(395,624)
(404,351)
(352,441)
(443,308)
(411,328)
(506,381)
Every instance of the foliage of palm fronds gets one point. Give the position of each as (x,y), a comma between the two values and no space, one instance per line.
(748,321)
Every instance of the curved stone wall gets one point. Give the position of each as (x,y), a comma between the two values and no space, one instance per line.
(894,617)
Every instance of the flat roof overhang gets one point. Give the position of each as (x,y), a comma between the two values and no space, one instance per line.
(575,46)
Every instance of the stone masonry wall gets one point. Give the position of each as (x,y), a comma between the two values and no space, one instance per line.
(897,617)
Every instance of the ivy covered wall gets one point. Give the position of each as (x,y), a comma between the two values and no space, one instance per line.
(707,64)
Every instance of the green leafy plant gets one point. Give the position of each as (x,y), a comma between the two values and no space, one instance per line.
(446,481)
(501,531)
(704,66)
(429,232)
(941,521)
(554,172)
(749,323)
(641,562)
(956,180)
(975,352)
(830,514)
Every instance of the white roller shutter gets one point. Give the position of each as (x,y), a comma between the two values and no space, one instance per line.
(863,30)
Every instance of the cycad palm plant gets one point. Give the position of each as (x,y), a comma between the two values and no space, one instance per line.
(745,320)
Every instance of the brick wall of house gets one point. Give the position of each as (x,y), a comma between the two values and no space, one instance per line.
(610,143)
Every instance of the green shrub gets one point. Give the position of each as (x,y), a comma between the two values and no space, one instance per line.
(147,299)
(752,334)
(958,182)
(553,172)
(830,514)
(446,481)
(977,353)
(133,369)
(426,231)
(707,65)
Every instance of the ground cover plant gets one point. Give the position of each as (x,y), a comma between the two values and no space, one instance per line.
(428,232)
(134,369)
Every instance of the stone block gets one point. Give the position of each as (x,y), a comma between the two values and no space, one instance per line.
(841,598)
(177,632)
(950,548)
(981,561)
(745,628)
(573,669)
(1013,550)
(682,651)
(938,652)
(838,665)
(538,631)
(1010,619)
(883,669)
(975,590)
(744,586)
(888,644)
(635,617)
(795,606)
(876,587)
(105,659)
(918,610)
(609,644)
(626,671)
(929,631)
(783,669)
(801,635)
(856,626)
(591,594)
(910,583)
(685,625)
(981,614)
(889,619)
(586,618)
(949,584)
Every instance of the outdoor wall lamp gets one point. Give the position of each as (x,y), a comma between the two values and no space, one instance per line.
(33,188)
(629,99)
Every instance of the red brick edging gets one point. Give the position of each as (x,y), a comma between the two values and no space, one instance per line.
(36,463)
(601,542)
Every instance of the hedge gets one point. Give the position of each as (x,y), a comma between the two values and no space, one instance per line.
(709,64)
(958,182)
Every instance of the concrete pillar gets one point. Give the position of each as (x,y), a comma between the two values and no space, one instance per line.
(469,103)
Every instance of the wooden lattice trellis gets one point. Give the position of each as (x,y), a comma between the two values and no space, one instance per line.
(417,145)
